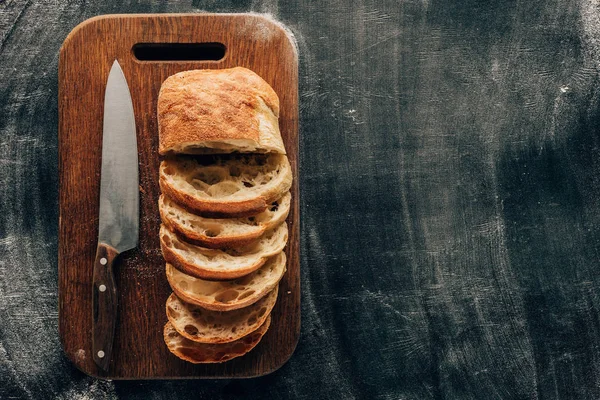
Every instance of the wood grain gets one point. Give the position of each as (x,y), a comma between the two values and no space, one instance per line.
(252,41)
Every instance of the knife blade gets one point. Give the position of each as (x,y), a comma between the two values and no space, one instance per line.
(118,225)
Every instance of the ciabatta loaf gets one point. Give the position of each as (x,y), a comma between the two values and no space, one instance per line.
(200,325)
(222,232)
(228,295)
(215,264)
(197,353)
(237,185)
(218,111)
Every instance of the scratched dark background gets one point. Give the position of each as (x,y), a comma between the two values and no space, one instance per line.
(450,175)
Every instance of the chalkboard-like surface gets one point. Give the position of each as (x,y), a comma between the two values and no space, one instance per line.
(251,41)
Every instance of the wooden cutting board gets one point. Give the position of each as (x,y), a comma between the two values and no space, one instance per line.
(251,41)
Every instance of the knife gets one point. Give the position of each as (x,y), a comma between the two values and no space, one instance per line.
(118,226)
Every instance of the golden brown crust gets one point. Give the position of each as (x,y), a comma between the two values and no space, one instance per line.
(198,353)
(200,106)
(181,264)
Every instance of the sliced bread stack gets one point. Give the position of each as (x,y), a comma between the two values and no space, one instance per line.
(225,184)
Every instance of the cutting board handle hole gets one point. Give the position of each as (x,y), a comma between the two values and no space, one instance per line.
(179,51)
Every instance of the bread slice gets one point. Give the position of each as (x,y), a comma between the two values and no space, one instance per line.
(226,186)
(220,233)
(228,295)
(197,353)
(218,111)
(200,325)
(215,264)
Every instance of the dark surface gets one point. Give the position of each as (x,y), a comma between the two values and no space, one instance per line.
(450,178)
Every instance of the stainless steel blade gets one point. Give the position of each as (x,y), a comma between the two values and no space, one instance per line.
(119,187)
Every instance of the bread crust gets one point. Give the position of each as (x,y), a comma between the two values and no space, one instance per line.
(216,306)
(202,108)
(203,353)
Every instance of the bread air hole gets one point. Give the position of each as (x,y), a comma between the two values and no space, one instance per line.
(252,320)
(246,294)
(223,189)
(234,252)
(253,175)
(191,330)
(252,221)
(179,246)
(234,171)
(274,207)
(233,329)
(199,185)
(208,178)
(172,313)
(260,160)
(211,229)
(227,296)
(262,311)
(183,285)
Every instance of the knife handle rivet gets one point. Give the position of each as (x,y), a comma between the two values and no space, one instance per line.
(103,261)
(100,354)
(102,288)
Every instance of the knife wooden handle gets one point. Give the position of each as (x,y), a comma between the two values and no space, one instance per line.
(105,304)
